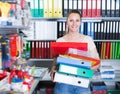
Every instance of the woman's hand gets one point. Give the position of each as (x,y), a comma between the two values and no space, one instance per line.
(53,70)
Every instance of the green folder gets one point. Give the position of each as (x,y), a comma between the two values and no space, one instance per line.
(36,8)
(40,8)
(113,50)
(32,7)
(77,71)
(118,51)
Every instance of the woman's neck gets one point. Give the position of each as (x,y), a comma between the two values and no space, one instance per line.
(73,34)
(76,36)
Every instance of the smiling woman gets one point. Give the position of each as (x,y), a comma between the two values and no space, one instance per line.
(72,35)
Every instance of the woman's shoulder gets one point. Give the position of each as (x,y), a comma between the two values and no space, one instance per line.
(61,39)
(88,37)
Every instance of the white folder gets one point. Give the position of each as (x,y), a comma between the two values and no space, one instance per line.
(72,80)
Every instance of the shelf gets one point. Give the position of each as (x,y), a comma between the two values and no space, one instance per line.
(98,80)
(12,27)
(110,60)
(40,59)
(34,85)
(55,40)
(96,19)
(87,19)
(102,60)
(39,40)
(111,18)
(107,40)
(10,1)
(49,19)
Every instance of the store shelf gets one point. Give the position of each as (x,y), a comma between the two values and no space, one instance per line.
(40,59)
(96,19)
(13,27)
(86,19)
(109,80)
(111,18)
(107,40)
(49,19)
(10,1)
(39,40)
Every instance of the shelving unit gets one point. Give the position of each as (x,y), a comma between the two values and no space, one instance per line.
(97,19)
(84,19)
(13,27)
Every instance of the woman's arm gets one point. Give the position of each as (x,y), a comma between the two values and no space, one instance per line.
(95,54)
(53,69)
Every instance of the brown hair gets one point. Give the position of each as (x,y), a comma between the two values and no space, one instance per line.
(74,11)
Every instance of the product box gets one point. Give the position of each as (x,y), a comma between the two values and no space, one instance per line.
(98,86)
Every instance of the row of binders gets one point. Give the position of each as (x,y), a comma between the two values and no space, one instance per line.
(73,63)
(108,50)
(42,49)
(46,8)
(93,8)
(88,8)
(108,30)
(37,49)
(45,30)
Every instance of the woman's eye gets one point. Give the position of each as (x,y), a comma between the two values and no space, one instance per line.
(77,20)
(71,20)
(74,21)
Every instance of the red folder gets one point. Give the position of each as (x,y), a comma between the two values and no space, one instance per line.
(94,61)
(84,8)
(98,13)
(94,8)
(62,47)
(89,8)
(37,50)
(33,49)
(107,55)
(13,45)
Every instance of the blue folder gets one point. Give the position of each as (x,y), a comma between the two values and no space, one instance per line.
(73,62)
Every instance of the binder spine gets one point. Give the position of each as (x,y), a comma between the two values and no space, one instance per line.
(74,62)
(77,71)
(72,80)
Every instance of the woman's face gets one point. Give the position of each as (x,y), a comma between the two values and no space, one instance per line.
(73,22)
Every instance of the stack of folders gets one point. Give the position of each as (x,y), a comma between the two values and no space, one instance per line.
(73,71)
(98,87)
(107,72)
(81,54)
